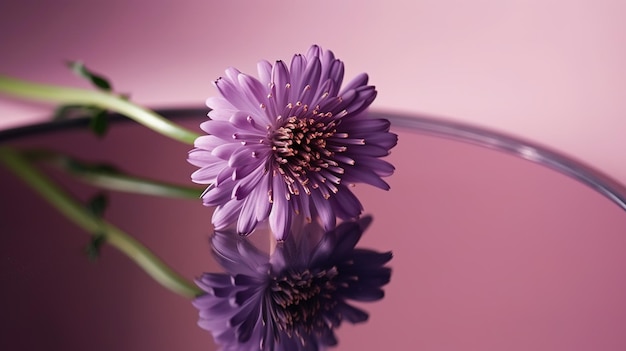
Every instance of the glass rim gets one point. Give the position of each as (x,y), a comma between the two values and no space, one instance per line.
(410,122)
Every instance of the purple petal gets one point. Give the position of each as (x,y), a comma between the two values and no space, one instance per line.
(232,93)
(257,162)
(280,214)
(346,205)
(384,140)
(364,150)
(245,155)
(323,93)
(324,211)
(243,187)
(254,92)
(214,279)
(364,175)
(352,314)
(226,214)
(261,193)
(221,109)
(365,96)
(336,75)
(310,81)
(264,68)
(202,158)
(247,219)
(206,174)
(356,82)
(249,123)
(224,175)
(224,150)
(367,126)
(378,166)
(219,189)
(298,65)
(215,196)
(208,142)
(280,78)
(314,51)
(219,129)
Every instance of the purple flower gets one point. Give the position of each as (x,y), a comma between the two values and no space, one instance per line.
(290,143)
(294,299)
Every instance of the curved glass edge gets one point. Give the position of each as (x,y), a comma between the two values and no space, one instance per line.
(414,122)
(559,162)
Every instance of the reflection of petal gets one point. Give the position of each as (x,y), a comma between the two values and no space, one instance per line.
(295,298)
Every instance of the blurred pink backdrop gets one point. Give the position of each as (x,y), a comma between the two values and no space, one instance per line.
(551,71)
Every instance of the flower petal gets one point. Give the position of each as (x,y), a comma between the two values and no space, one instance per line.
(280,214)
(264,68)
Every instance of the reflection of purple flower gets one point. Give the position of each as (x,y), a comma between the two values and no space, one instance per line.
(290,142)
(295,298)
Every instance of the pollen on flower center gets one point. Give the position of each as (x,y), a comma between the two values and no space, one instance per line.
(302,299)
(300,148)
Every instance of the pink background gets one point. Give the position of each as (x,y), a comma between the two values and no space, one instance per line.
(551,71)
(501,255)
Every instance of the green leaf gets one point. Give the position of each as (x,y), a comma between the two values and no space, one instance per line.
(71,111)
(99,122)
(75,166)
(97,205)
(93,248)
(99,81)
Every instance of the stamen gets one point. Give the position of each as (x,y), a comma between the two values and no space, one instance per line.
(250,120)
(300,149)
(341,114)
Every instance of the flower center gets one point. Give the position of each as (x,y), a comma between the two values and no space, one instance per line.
(300,148)
(301,300)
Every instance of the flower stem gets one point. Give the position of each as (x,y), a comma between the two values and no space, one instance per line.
(107,177)
(106,100)
(75,211)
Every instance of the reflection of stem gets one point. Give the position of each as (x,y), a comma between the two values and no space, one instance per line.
(112,179)
(102,99)
(156,268)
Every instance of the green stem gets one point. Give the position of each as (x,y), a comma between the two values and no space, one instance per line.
(131,184)
(75,211)
(73,96)
(107,177)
